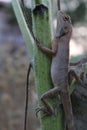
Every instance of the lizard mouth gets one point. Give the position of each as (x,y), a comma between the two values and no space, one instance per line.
(61,35)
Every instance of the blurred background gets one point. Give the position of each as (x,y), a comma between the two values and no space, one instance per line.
(14,61)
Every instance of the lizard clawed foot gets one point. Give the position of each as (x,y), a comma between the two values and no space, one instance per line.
(45,110)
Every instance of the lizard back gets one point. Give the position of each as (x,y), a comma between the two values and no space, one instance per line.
(59,67)
(60,61)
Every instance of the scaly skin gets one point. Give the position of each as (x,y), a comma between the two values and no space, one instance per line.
(59,74)
(59,68)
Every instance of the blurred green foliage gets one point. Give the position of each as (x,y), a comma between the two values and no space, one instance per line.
(77,58)
(9,10)
(78,15)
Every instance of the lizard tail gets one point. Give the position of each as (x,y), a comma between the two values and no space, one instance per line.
(26,98)
(66,101)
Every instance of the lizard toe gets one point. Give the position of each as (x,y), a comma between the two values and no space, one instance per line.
(44,110)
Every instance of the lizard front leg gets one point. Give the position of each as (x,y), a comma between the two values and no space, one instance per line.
(48,50)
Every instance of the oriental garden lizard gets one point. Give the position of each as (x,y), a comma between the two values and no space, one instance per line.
(59,68)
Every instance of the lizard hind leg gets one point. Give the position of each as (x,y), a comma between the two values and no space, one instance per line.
(47,109)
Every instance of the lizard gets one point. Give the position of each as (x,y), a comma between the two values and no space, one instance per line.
(59,68)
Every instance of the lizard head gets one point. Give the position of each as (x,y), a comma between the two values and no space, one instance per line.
(63,24)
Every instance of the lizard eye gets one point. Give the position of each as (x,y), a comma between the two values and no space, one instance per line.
(66,18)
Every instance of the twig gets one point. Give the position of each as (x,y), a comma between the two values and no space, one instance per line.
(58,4)
(22,2)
